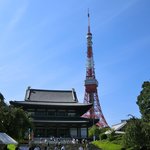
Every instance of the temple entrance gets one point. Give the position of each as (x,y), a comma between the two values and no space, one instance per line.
(42,132)
(52,132)
(63,132)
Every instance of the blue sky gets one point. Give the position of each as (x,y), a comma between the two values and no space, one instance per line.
(43,45)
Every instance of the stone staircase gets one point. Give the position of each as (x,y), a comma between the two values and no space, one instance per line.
(69,144)
(68,147)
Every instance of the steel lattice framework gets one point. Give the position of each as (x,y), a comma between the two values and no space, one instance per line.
(91,84)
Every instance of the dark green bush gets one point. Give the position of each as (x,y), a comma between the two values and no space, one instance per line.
(137,134)
(111,136)
(102,136)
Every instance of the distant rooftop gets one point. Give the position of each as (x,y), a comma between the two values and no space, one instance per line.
(117,128)
(52,96)
(6,139)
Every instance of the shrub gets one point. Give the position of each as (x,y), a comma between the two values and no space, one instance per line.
(102,136)
(111,136)
(136,134)
(94,131)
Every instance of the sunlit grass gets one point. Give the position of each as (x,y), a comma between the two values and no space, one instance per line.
(105,145)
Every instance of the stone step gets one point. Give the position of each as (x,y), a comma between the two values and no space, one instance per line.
(67,147)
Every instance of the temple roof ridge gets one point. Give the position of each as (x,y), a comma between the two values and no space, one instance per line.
(51,95)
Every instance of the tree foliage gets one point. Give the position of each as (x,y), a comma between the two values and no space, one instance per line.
(143,101)
(96,131)
(20,122)
(137,134)
(2,103)
(14,121)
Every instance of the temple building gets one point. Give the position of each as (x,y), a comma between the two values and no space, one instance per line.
(56,113)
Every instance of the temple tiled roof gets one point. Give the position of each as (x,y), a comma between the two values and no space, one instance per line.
(53,96)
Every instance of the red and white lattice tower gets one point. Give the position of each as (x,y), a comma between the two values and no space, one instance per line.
(91,84)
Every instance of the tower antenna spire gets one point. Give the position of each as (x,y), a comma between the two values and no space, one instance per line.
(88,21)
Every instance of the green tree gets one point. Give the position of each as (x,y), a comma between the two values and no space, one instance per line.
(94,131)
(3,112)
(2,103)
(13,121)
(143,101)
(19,123)
(137,134)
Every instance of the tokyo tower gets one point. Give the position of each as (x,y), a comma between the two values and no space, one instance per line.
(91,84)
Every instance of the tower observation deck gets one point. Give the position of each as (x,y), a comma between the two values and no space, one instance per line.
(91,84)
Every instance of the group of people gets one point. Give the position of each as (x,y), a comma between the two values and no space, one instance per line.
(80,144)
(59,146)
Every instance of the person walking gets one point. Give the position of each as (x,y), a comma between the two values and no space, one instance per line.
(63,147)
(80,148)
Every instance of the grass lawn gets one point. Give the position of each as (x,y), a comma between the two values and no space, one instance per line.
(11,147)
(105,145)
